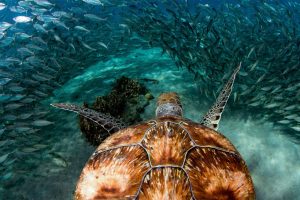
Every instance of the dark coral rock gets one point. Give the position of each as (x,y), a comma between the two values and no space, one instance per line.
(126,101)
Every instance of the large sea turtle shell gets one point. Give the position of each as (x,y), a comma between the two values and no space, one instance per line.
(166,158)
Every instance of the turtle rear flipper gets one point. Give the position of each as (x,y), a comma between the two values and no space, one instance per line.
(213,116)
(107,122)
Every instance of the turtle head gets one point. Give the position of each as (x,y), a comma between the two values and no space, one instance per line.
(169,104)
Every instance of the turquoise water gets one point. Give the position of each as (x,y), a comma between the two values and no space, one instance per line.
(191,50)
(270,156)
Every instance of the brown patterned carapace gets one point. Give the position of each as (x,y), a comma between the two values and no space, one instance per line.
(166,158)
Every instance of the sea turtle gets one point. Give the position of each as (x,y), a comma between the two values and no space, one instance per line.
(169,157)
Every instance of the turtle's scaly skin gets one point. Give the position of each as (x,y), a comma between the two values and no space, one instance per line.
(166,158)
(169,97)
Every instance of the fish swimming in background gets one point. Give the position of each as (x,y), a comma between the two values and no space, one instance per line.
(22,19)
(45,43)
(94,2)
(2,6)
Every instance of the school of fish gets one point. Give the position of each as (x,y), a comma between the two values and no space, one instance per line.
(45,43)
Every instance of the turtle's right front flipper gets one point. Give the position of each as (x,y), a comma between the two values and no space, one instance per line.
(107,122)
(213,116)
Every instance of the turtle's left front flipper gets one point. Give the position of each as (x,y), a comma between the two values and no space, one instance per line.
(213,116)
(107,122)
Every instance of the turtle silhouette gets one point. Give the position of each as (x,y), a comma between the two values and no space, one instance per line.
(168,157)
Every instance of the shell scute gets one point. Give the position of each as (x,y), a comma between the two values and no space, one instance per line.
(167,143)
(216,174)
(129,135)
(205,136)
(165,183)
(113,174)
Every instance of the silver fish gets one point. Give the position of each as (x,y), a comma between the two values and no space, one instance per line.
(296,128)
(13,106)
(17,9)
(95,18)
(16,89)
(22,19)
(40,28)
(272,105)
(44,3)
(3,157)
(2,6)
(81,28)
(103,45)
(41,123)
(4,81)
(284,121)
(4,26)
(94,2)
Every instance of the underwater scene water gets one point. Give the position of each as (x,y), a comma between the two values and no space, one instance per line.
(86,51)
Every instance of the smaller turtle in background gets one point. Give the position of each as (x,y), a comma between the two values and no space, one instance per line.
(169,157)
